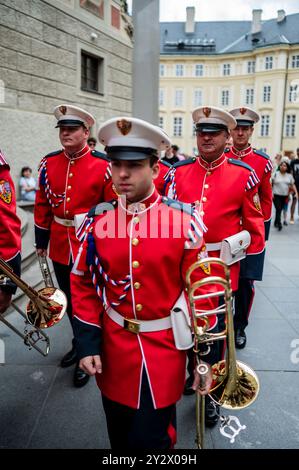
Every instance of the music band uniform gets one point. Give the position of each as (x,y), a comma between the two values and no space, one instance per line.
(10,227)
(140,277)
(251,268)
(224,191)
(69,184)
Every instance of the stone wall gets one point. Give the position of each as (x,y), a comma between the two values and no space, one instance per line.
(40,50)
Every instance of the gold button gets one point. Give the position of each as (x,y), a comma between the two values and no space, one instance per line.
(70,175)
(139,307)
(137,285)
(135,241)
(204,199)
(72,162)
(136,220)
(208,173)
(68,199)
(206,186)
(135,264)
(66,212)
(69,187)
(202,213)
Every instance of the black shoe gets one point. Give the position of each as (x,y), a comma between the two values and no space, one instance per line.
(80,377)
(211,412)
(275,224)
(240,338)
(188,390)
(69,359)
(279,227)
(285,223)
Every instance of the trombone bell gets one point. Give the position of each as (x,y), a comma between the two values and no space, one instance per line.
(246,386)
(42,317)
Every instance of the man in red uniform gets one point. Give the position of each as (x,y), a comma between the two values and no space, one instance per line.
(71,180)
(252,265)
(128,276)
(224,190)
(10,233)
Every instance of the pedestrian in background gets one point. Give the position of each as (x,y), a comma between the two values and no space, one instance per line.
(283,184)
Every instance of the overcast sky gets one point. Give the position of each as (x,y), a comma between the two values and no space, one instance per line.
(211,10)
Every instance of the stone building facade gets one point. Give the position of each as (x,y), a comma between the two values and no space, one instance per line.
(231,64)
(59,51)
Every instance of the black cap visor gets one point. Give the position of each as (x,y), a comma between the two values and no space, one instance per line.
(210,127)
(130,153)
(244,123)
(70,123)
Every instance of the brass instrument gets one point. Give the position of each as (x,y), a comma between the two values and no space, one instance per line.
(45,270)
(235,385)
(45,309)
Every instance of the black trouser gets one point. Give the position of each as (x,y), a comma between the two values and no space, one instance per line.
(243,303)
(63,276)
(279,202)
(145,428)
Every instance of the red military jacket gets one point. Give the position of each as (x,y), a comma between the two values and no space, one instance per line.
(140,258)
(67,186)
(10,226)
(226,193)
(262,165)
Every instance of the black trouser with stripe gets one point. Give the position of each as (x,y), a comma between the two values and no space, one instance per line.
(63,276)
(143,428)
(243,302)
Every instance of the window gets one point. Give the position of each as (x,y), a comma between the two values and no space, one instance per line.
(293,93)
(92,70)
(269,63)
(249,96)
(115,17)
(251,66)
(161,122)
(197,97)
(225,97)
(198,70)
(178,97)
(267,94)
(265,125)
(226,69)
(290,126)
(162,70)
(295,61)
(179,70)
(177,126)
(161,97)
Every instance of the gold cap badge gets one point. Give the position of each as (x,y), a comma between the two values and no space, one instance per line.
(124,126)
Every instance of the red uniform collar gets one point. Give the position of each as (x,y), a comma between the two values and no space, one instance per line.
(144,204)
(241,153)
(79,154)
(211,165)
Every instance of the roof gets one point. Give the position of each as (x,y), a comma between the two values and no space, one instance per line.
(226,37)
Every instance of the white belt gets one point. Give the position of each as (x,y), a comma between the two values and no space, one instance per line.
(64,222)
(213,246)
(139,326)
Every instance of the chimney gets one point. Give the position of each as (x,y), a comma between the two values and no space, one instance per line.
(281,14)
(256,26)
(190,24)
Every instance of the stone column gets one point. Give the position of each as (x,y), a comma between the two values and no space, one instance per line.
(146,60)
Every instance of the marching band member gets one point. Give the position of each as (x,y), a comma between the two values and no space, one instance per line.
(224,190)
(71,180)
(251,266)
(10,233)
(128,276)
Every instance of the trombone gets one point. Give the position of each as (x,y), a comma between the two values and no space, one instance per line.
(46,308)
(235,385)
